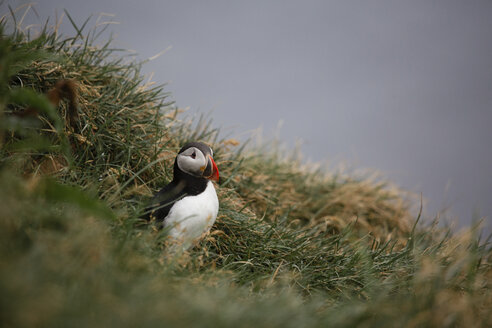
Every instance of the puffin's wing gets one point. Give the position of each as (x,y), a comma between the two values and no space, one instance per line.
(162,202)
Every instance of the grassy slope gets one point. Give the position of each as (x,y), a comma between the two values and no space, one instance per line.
(291,247)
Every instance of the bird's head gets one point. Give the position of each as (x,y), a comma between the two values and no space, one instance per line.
(196,159)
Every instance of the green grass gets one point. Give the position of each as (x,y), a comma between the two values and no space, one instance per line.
(292,246)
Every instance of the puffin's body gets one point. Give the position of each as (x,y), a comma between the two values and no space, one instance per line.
(188,205)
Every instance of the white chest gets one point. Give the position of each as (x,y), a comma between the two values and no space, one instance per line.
(192,216)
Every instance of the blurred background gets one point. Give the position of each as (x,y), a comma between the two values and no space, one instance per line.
(403,87)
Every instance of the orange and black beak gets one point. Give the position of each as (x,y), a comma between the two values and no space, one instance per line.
(211,172)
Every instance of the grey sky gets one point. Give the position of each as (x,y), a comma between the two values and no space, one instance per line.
(400,86)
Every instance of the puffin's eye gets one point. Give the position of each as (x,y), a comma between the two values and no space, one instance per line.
(193,155)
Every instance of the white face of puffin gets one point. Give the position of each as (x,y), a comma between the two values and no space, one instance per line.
(194,162)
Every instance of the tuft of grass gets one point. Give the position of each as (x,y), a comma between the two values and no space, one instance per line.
(292,246)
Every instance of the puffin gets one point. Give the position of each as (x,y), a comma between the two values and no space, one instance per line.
(187,207)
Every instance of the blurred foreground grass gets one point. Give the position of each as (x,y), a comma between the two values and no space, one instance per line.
(292,246)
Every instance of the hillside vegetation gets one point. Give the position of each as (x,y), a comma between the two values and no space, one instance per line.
(292,246)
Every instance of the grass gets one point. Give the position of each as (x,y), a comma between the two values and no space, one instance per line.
(293,246)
